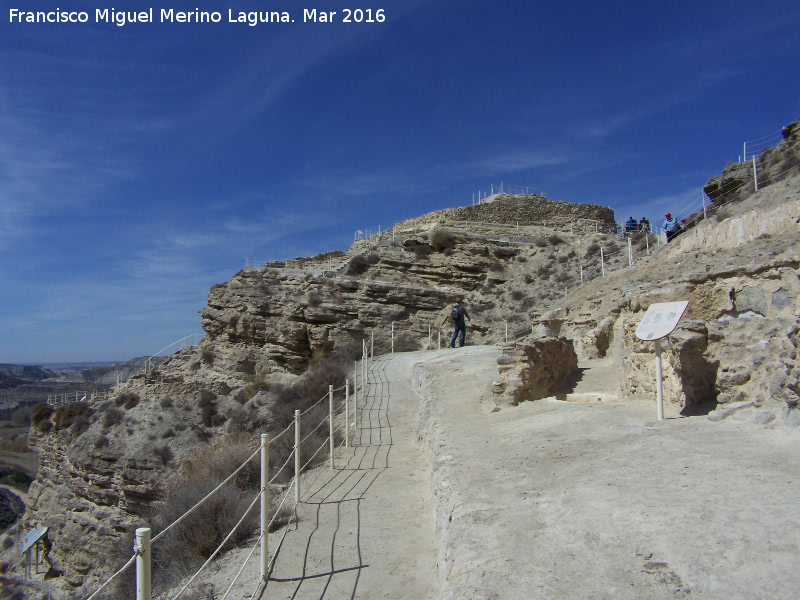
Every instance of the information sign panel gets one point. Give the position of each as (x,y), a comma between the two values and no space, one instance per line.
(32,537)
(660,320)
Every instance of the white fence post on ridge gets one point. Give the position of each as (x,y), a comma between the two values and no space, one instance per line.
(264,506)
(296,458)
(330,423)
(143,569)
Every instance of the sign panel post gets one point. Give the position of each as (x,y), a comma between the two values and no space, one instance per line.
(659,321)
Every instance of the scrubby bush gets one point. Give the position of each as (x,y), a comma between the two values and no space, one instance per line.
(73,415)
(593,250)
(128,399)
(40,417)
(517,295)
(207,356)
(164,453)
(358,265)
(555,239)
(111,417)
(208,409)
(422,251)
(541,242)
(442,240)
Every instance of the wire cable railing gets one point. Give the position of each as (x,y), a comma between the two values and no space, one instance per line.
(341,416)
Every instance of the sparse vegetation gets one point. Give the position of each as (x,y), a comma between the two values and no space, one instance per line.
(40,417)
(164,453)
(127,399)
(111,417)
(74,415)
(207,356)
(442,241)
(360,264)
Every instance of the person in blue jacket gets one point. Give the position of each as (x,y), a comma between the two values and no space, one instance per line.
(457,314)
(630,225)
(671,226)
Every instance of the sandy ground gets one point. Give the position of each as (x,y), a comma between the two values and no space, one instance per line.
(582,498)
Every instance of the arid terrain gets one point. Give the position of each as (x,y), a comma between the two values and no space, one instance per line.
(506,475)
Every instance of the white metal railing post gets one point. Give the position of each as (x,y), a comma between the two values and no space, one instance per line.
(296,458)
(602,262)
(355,399)
(506,322)
(581,274)
(392,337)
(264,505)
(330,423)
(755,173)
(142,549)
(703,198)
(347,413)
(630,252)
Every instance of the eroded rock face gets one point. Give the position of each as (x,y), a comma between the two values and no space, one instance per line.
(533,370)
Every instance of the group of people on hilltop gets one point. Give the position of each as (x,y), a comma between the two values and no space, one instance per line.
(459,313)
(632,225)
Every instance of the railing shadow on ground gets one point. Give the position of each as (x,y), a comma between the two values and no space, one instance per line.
(332,511)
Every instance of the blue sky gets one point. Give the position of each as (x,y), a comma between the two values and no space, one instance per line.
(140,165)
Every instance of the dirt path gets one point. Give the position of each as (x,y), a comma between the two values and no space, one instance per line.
(582,498)
(366,529)
(588,499)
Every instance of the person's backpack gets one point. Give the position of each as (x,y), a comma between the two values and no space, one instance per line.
(455,314)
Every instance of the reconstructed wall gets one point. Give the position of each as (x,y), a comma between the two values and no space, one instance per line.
(522,210)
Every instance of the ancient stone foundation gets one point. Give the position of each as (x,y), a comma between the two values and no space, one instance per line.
(533,369)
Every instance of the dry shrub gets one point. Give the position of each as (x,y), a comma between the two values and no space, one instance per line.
(73,414)
(197,536)
(422,251)
(555,239)
(222,457)
(358,265)
(164,453)
(112,416)
(592,250)
(128,399)
(442,241)
(203,530)
(207,356)
(541,243)
(208,409)
(40,417)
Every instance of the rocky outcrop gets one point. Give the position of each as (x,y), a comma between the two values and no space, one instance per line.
(738,180)
(533,370)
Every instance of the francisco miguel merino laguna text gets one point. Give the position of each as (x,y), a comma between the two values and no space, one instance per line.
(253,18)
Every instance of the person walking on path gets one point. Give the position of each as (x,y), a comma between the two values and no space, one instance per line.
(457,314)
(671,226)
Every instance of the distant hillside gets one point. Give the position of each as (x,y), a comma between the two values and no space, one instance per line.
(12,376)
